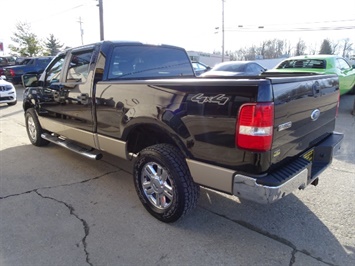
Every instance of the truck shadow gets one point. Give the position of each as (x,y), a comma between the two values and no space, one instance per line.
(288,221)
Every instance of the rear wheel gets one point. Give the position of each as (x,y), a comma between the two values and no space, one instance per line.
(34,129)
(163,183)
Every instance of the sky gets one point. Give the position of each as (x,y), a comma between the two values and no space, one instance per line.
(190,24)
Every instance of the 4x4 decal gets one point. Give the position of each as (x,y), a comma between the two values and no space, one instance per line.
(200,98)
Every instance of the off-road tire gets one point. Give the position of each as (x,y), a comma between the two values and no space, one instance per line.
(172,186)
(34,129)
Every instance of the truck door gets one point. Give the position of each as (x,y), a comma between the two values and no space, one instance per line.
(68,108)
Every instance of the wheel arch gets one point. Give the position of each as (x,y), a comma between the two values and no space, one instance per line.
(26,105)
(29,99)
(141,136)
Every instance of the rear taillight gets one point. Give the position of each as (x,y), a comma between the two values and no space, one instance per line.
(11,72)
(254,129)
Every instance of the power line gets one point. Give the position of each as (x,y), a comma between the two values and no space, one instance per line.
(301,23)
(55,14)
(265,29)
(333,25)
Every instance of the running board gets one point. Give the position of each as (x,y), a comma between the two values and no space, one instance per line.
(73,146)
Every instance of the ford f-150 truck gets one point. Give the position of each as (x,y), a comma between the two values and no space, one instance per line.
(258,137)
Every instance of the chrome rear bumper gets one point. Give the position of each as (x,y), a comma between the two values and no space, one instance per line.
(247,188)
(252,189)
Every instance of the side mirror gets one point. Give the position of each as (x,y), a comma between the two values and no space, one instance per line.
(30,80)
(2,77)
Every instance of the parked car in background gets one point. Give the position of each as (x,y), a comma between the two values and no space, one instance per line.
(235,68)
(7,92)
(6,61)
(321,64)
(200,67)
(35,65)
(3,63)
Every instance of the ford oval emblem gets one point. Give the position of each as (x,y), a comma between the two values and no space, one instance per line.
(315,114)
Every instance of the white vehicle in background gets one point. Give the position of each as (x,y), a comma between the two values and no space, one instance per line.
(7,92)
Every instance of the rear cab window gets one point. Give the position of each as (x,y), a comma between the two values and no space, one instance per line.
(304,63)
(148,62)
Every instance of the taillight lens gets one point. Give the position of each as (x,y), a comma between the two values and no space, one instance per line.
(254,129)
(12,72)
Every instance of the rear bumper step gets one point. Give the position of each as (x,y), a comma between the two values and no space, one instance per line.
(296,175)
(73,146)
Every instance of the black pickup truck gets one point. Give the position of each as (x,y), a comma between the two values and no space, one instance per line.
(258,138)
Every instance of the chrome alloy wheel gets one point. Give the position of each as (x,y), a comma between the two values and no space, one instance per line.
(32,128)
(157,185)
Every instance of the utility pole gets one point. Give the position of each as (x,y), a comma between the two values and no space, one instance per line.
(81,31)
(101,13)
(223,30)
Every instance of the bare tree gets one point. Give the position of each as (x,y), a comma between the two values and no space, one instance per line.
(277,48)
(335,46)
(251,53)
(287,48)
(240,54)
(272,48)
(347,47)
(262,49)
(312,49)
(300,47)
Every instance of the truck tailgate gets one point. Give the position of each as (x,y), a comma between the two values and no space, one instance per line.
(305,112)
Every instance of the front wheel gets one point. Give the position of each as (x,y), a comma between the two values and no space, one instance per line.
(34,129)
(163,183)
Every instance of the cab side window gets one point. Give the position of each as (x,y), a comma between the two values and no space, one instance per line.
(79,67)
(54,71)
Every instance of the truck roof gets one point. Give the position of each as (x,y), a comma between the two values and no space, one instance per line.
(108,43)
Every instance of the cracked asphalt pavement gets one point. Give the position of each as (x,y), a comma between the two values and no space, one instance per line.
(59,208)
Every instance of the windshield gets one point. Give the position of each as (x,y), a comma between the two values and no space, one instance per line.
(237,67)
